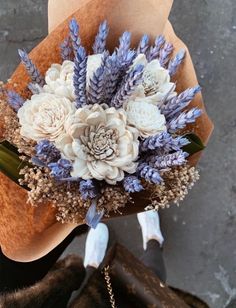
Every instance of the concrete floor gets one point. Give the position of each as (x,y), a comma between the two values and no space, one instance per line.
(200,247)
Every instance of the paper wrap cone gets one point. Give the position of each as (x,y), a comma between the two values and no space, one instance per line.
(26,232)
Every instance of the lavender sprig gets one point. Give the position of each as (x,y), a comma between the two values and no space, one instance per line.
(61,169)
(180,102)
(149,173)
(31,68)
(79,79)
(183,119)
(155,50)
(88,189)
(132,184)
(74,35)
(176,62)
(46,152)
(163,141)
(66,49)
(125,55)
(35,88)
(143,45)
(125,41)
(133,79)
(112,73)
(165,53)
(167,161)
(15,100)
(100,41)
(96,87)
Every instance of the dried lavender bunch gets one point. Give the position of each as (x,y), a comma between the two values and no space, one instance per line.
(15,100)
(31,68)
(165,54)
(163,141)
(133,79)
(79,78)
(88,189)
(167,161)
(183,119)
(66,49)
(155,50)
(143,45)
(132,184)
(180,102)
(74,35)
(149,173)
(100,41)
(176,62)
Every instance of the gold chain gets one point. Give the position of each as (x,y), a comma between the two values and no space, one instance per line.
(109,286)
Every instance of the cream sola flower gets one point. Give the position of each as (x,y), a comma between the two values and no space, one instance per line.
(145,117)
(44,115)
(59,78)
(100,143)
(156,83)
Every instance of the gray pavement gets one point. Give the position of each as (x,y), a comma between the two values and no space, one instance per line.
(200,247)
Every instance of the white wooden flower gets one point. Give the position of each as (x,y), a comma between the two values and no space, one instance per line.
(44,116)
(100,144)
(145,117)
(59,78)
(156,82)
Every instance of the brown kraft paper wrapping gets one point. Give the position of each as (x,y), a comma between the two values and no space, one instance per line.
(26,232)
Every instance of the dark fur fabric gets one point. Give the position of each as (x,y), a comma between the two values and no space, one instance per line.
(52,291)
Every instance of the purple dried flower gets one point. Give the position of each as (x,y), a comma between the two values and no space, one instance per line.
(180,102)
(183,119)
(15,100)
(31,68)
(66,49)
(165,54)
(79,79)
(74,35)
(61,169)
(167,161)
(46,152)
(176,62)
(143,45)
(149,173)
(133,79)
(163,141)
(93,217)
(100,41)
(88,189)
(132,184)
(155,50)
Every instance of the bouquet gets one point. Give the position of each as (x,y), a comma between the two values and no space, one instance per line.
(95,128)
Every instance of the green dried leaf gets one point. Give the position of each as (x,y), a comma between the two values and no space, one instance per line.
(10,163)
(195,145)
